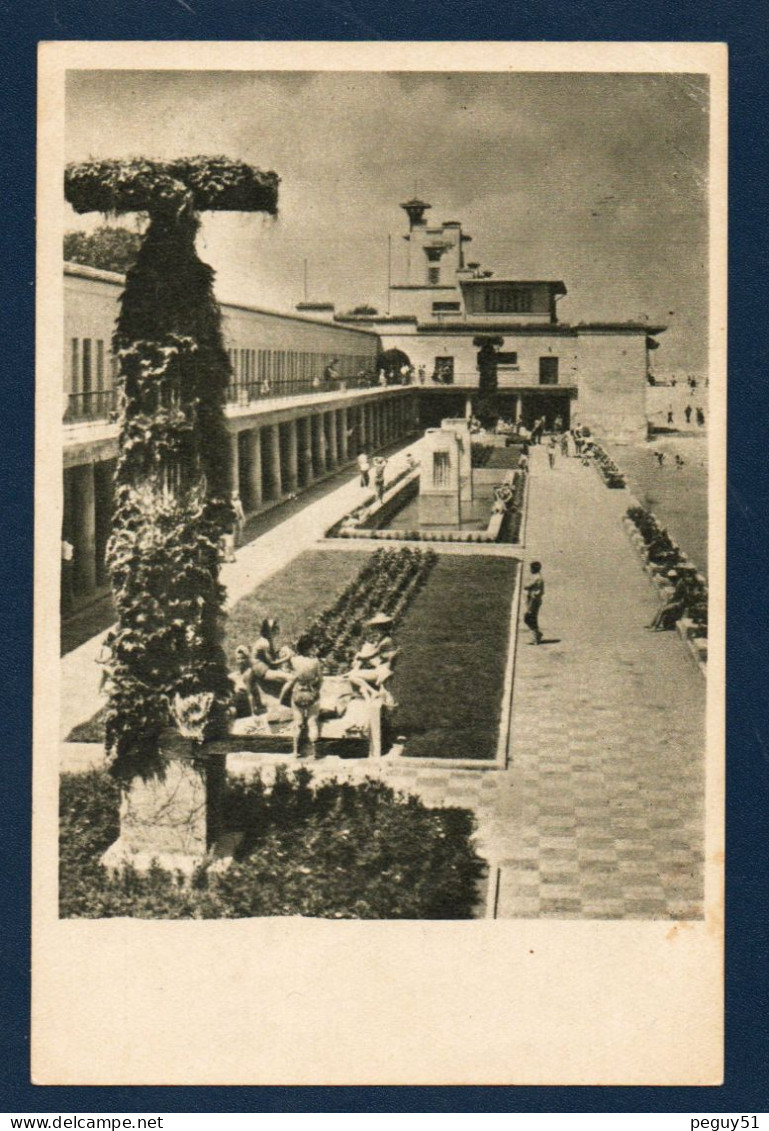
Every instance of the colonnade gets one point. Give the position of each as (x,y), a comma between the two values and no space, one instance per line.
(273,454)
(273,459)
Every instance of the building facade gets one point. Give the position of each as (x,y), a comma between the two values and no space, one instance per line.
(594,373)
(286,429)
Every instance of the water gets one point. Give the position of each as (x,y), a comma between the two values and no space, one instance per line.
(407,518)
(677,496)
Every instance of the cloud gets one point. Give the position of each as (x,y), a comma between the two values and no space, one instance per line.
(596,179)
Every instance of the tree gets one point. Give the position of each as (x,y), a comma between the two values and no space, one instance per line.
(173,489)
(109,249)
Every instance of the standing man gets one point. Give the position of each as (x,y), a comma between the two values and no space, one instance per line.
(535,591)
(379,476)
(551,443)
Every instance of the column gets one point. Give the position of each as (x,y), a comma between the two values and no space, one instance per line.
(333,447)
(275,475)
(255,469)
(85,530)
(234,463)
(343,420)
(362,429)
(518,409)
(317,445)
(292,460)
(468,408)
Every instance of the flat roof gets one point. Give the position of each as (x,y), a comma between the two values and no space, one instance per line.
(115,279)
(493,280)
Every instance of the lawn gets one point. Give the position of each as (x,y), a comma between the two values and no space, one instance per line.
(454,642)
(295,595)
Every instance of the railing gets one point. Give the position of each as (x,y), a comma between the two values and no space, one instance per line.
(244,393)
(99,404)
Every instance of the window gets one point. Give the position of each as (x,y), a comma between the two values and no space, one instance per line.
(433,276)
(444,370)
(548,371)
(507,358)
(75,367)
(100,365)
(507,300)
(445,307)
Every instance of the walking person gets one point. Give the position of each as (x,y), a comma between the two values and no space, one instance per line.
(535,591)
(240,517)
(364,468)
(551,447)
(688,414)
(379,476)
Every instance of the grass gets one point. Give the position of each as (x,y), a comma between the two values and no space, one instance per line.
(453,640)
(454,643)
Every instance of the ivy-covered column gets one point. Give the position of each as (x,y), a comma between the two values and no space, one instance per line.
(173,478)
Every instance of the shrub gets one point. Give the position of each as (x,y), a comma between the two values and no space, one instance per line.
(326,849)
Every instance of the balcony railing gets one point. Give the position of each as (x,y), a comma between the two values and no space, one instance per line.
(244,393)
(99,404)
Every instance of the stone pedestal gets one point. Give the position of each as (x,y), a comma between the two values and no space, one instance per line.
(173,818)
(439,497)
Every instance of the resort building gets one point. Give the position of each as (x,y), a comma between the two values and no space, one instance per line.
(596,373)
(289,427)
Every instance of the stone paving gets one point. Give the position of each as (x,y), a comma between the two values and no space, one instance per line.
(600,811)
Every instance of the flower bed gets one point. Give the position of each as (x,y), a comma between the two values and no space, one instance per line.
(388,583)
(607,468)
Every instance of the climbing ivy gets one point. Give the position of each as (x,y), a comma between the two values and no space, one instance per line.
(173,490)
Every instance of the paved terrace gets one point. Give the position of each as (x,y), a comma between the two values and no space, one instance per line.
(600,812)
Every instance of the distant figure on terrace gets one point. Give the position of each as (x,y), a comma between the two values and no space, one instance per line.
(364,468)
(411,462)
(660,457)
(269,663)
(535,592)
(331,374)
(551,447)
(246,695)
(379,476)
(688,414)
(670,415)
(700,417)
(564,444)
(304,683)
(422,374)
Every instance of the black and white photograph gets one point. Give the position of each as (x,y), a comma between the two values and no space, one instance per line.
(380,545)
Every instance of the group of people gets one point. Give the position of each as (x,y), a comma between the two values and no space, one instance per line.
(678,460)
(267,676)
(699,415)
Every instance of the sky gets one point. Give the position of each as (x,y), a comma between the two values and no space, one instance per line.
(596,179)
